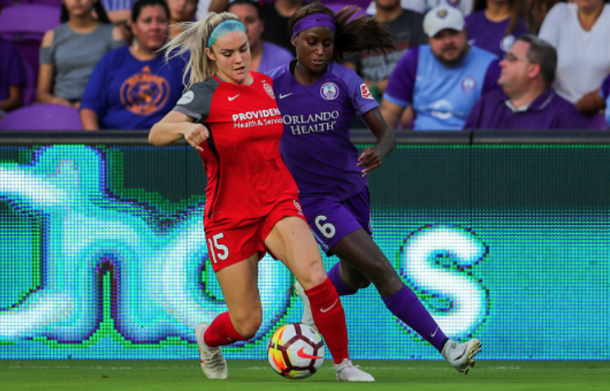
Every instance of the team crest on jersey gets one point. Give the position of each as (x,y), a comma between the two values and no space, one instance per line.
(365,93)
(269,90)
(329,91)
(468,84)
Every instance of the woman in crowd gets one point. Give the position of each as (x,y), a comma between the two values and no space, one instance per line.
(579,31)
(495,24)
(230,116)
(133,87)
(318,98)
(180,11)
(70,51)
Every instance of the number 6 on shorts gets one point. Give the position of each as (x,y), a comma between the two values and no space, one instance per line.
(328,230)
(220,247)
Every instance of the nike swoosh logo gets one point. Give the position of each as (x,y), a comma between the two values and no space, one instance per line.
(232,97)
(322,310)
(284,96)
(434,333)
(464,352)
(301,353)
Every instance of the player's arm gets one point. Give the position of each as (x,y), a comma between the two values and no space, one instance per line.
(371,157)
(173,127)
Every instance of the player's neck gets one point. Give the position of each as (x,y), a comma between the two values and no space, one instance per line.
(388,15)
(306,77)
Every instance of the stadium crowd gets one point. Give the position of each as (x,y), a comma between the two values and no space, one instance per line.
(458,64)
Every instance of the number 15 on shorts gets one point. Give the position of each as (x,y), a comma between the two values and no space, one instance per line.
(217,249)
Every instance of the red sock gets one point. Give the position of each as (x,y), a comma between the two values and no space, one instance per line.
(221,332)
(329,317)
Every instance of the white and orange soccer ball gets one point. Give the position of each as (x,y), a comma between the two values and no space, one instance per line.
(295,351)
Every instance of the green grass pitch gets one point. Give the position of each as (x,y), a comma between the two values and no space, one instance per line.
(250,375)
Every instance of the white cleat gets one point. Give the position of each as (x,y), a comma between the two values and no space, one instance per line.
(346,371)
(307,315)
(461,355)
(213,363)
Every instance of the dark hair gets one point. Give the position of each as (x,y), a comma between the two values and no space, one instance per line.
(140,4)
(259,12)
(352,36)
(542,53)
(98,7)
(516,8)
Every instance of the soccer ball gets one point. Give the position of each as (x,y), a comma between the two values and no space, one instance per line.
(295,351)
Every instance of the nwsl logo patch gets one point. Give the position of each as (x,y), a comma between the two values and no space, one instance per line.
(329,91)
(365,93)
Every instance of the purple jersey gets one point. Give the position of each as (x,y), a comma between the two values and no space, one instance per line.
(547,111)
(492,36)
(316,143)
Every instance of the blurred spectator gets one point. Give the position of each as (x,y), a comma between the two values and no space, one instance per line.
(536,11)
(264,55)
(133,87)
(526,100)
(12,78)
(180,11)
(443,80)
(424,5)
(375,67)
(64,75)
(594,102)
(580,32)
(206,6)
(276,16)
(495,24)
(118,11)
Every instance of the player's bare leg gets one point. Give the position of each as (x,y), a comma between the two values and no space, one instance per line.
(292,241)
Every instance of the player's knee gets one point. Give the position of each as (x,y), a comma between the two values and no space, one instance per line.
(312,275)
(379,271)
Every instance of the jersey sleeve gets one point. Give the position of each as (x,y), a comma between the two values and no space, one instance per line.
(362,99)
(94,96)
(491,77)
(604,90)
(196,102)
(402,80)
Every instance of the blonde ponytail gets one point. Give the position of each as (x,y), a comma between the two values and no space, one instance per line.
(194,39)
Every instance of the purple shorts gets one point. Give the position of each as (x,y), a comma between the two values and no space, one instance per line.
(332,220)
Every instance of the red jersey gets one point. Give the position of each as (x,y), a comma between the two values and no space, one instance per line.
(246,173)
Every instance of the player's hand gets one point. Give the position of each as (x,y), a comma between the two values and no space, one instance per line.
(195,135)
(369,159)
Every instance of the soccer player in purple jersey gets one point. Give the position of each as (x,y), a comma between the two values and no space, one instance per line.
(318,99)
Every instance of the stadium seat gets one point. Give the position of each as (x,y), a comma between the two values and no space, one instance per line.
(42,117)
(29,89)
(25,25)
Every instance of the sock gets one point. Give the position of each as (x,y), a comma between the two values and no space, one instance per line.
(335,278)
(406,306)
(329,317)
(221,332)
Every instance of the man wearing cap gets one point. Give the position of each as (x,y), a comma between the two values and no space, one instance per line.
(443,80)
(526,100)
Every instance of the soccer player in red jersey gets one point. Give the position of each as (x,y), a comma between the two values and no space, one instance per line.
(231,117)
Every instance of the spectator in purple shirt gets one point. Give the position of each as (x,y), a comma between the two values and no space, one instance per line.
(11,77)
(264,55)
(526,100)
(495,24)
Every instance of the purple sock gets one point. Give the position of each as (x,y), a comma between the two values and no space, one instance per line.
(335,278)
(406,306)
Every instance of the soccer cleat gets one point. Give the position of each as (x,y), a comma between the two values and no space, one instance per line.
(346,371)
(461,355)
(213,363)
(307,315)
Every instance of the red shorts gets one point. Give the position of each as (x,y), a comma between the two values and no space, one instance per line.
(230,246)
